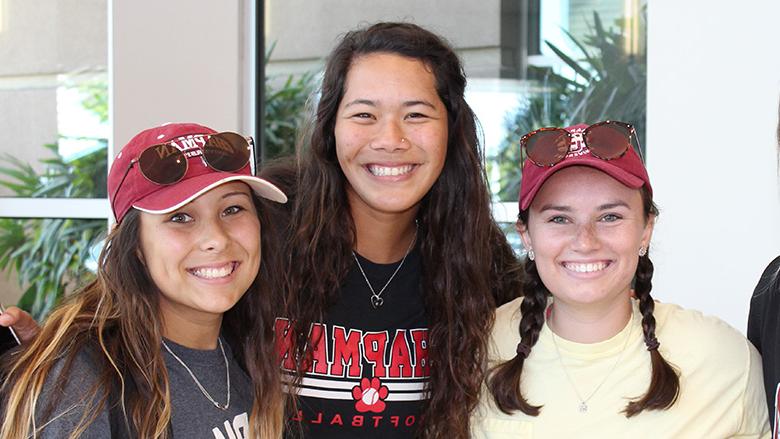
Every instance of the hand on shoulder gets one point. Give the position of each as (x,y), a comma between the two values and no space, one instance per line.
(23,323)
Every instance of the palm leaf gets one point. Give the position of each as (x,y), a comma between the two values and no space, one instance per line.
(569,61)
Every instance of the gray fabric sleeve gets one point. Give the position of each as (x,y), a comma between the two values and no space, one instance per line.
(69,402)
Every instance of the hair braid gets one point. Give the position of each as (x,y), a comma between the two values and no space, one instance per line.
(664,382)
(504,379)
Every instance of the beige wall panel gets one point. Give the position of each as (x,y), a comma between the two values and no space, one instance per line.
(52,36)
(174,61)
(305,29)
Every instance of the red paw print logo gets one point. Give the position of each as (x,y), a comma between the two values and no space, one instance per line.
(370,396)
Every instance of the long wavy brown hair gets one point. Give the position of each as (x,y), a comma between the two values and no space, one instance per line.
(505,379)
(116,317)
(467,265)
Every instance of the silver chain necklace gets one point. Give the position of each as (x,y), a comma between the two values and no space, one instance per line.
(583,406)
(197,383)
(376,298)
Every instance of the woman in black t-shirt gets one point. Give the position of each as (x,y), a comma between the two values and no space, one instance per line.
(396,265)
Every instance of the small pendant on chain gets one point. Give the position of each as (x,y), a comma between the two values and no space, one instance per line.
(583,407)
(377,301)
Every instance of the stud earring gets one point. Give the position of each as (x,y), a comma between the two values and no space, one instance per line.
(642,251)
(531,254)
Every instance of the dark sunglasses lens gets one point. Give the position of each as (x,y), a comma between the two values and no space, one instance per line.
(548,147)
(609,140)
(227,152)
(163,164)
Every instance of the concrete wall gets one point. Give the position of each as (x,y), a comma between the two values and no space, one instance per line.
(174,61)
(304,31)
(44,36)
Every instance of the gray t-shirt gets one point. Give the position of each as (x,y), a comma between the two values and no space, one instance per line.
(193,415)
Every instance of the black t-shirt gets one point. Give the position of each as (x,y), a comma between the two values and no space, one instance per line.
(370,370)
(764,332)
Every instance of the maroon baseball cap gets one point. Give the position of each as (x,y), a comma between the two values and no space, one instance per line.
(627,169)
(136,191)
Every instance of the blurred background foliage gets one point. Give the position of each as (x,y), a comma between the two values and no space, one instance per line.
(284,106)
(604,79)
(49,255)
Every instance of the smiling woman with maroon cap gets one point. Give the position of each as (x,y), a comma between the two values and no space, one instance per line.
(587,352)
(174,337)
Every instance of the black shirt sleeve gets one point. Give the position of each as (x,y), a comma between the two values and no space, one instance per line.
(764,329)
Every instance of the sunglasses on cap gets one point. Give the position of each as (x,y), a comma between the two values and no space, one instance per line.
(607,140)
(166,164)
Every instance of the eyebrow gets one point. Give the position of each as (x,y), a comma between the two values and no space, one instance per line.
(547,207)
(606,206)
(371,103)
(229,194)
(614,204)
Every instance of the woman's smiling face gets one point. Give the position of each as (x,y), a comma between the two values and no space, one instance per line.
(205,255)
(391,133)
(586,229)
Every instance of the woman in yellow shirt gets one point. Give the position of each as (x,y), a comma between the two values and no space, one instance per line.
(587,352)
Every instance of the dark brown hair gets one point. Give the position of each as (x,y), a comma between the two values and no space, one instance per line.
(505,379)
(104,318)
(468,267)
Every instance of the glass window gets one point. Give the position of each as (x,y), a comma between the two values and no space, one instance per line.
(53,97)
(50,257)
(54,106)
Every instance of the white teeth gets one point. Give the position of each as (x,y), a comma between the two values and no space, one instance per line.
(214,273)
(586,268)
(384,171)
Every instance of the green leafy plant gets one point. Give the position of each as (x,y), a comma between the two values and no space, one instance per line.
(608,83)
(284,110)
(49,255)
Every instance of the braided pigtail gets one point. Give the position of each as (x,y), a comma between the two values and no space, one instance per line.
(504,379)
(664,382)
